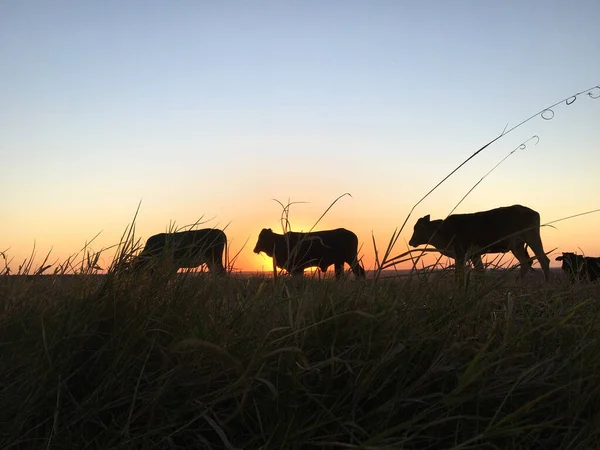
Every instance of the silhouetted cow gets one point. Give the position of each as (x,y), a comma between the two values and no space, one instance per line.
(184,249)
(295,252)
(499,230)
(578,267)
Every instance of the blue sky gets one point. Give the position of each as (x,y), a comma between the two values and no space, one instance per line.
(215,108)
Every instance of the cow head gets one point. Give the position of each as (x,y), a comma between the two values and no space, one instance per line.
(567,258)
(570,259)
(572,264)
(422,232)
(266,241)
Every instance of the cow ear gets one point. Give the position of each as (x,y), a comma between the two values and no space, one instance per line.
(427,218)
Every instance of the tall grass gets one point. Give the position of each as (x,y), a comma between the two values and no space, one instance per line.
(212,362)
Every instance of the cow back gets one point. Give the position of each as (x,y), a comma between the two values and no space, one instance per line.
(491,229)
(301,250)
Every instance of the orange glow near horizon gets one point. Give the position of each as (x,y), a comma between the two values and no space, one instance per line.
(576,237)
(66,234)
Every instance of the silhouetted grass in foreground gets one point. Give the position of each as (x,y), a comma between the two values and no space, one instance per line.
(207,362)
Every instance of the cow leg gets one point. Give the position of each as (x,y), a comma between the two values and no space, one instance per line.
(459,269)
(477,263)
(217,258)
(137,265)
(535,243)
(215,265)
(297,272)
(594,271)
(478,266)
(523,256)
(151,269)
(339,270)
(145,261)
(144,265)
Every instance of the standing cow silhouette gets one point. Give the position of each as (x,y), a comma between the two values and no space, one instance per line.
(295,251)
(469,236)
(183,249)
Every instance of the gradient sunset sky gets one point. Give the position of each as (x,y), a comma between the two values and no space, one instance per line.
(215,108)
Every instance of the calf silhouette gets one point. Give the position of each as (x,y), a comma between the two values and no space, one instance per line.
(295,252)
(469,236)
(578,267)
(183,249)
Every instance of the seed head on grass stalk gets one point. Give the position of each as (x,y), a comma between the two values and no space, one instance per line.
(6,269)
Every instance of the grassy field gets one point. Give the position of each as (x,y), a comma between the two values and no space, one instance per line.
(253,362)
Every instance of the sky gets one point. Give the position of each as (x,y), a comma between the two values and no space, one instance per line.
(211,110)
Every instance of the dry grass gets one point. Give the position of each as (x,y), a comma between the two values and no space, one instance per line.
(208,362)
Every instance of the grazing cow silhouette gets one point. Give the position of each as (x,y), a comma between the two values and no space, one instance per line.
(295,252)
(578,267)
(184,249)
(499,230)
